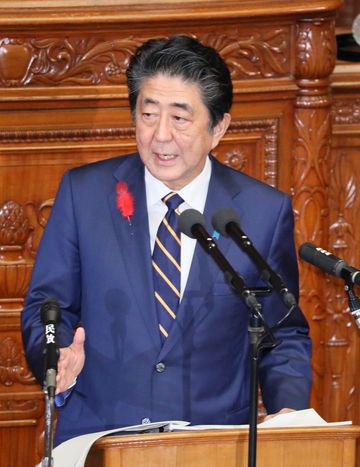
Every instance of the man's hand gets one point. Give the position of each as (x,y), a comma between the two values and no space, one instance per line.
(284,410)
(71,361)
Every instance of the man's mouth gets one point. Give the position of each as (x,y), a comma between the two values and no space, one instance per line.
(165,156)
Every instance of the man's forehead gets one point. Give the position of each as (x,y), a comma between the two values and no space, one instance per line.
(174,104)
(173,91)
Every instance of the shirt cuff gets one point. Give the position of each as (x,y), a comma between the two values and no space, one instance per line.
(60,398)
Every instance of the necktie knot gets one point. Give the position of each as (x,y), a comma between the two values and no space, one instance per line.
(172,200)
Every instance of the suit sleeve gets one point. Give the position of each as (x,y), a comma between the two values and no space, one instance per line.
(285,371)
(56,275)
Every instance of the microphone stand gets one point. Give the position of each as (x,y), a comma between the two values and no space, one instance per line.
(49,390)
(258,332)
(354,301)
(257,337)
(50,315)
(191,223)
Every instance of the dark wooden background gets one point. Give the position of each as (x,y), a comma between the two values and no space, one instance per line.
(296,125)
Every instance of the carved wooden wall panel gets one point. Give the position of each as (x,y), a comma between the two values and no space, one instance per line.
(63,103)
(343,337)
(315,56)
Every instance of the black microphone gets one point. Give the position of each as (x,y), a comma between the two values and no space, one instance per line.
(192,223)
(50,316)
(329,263)
(226,222)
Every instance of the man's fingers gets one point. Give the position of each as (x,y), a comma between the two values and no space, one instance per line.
(284,410)
(71,361)
(79,336)
(77,346)
(78,341)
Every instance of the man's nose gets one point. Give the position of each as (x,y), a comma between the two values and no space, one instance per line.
(163,129)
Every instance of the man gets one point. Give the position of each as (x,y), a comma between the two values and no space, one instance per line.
(100,263)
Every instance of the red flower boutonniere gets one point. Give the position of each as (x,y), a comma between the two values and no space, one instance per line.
(124,200)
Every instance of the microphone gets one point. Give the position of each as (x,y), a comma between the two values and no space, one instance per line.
(226,222)
(192,223)
(329,263)
(50,316)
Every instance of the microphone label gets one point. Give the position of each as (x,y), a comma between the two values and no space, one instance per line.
(321,250)
(50,333)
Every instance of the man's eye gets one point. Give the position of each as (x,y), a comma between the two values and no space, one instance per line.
(179,119)
(149,117)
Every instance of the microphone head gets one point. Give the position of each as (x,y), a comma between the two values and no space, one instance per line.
(50,311)
(222,217)
(188,219)
(307,252)
(322,259)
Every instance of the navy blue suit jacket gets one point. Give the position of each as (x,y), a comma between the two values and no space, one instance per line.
(99,268)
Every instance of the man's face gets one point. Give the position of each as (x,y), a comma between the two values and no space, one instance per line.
(172,129)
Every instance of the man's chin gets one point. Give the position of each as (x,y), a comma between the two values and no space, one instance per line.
(170,180)
(165,174)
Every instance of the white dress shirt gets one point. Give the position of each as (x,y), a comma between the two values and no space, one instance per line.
(194,196)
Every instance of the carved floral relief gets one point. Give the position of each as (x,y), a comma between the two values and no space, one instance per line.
(92,61)
(12,368)
(316,49)
(256,153)
(258,54)
(20,408)
(346,112)
(65,61)
(20,231)
(310,177)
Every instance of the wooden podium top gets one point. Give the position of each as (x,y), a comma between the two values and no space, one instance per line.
(35,12)
(295,447)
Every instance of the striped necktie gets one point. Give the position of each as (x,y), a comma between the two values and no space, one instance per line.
(166,265)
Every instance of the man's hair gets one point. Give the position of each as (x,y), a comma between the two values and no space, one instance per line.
(185,57)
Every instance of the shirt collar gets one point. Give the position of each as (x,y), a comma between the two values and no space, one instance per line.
(194,194)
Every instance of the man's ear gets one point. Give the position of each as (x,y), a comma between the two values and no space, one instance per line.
(220,129)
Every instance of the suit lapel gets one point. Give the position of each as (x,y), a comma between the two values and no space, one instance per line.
(204,271)
(134,243)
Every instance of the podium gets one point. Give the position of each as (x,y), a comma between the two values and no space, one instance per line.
(333,446)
